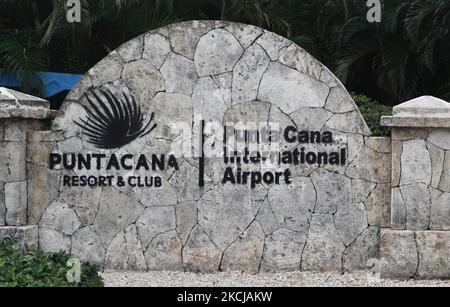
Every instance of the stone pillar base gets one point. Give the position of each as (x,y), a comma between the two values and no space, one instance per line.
(415,254)
(25,235)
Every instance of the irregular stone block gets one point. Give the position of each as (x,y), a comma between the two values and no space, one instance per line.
(398,210)
(440,211)
(208,101)
(209,57)
(379,144)
(444,184)
(143,80)
(132,50)
(116,211)
(324,249)
(247,74)
(245,254)
(164,253)
(155,221)
(300,60)
(125,252)
(363,249)
(361,189)
(107,70)
(184,37)
(290,89)
(440,138)
(58,216)
(16,203)
(312,119)
(340,101)
(350,220)
(399,255)
(179,75)
(418,206)
(283,251)
(372,166)
(378,206)
(272,44)
(26,236)
(332,190)
(407,134)
(200,254)
(351,122)
(416,163)
(248,112)
(12,161)
(87,246)
(434,254)
(187,218)
(437,162)
(266,218)
(225,212)
(84,201)
(156,49)
(246,34)
(15,131)
(52,241)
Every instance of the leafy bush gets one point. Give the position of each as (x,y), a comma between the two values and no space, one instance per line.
(29,267)
(372,112)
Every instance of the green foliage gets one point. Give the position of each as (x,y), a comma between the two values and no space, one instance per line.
(29,267)
(372,112)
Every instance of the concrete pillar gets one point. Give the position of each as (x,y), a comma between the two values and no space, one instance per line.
(418,243)
(19,113)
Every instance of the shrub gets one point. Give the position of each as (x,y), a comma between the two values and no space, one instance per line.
(30,267)
(372,112)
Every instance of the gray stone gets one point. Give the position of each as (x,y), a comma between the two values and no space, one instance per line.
(155,221)
(352,122)
(164,253)
(297,58)
(379,144)
(84,201)
(162,196)
(70,145)
(125,252)
(187,190)
(179,74)
(440,138)
(408,134)
(444,184)
(283,251)
(398,253)
(398,210)
(293,204)
(200,254)
(397,149)
(267,219)
(361,189)
(26,236)
(350,220)
(209,56)
(116,211)
(371,165)
(340,101)
(208,101)
(143,80)
(245,253)
(107,70)
(290,89)
(364,248)
(186,215)
(132,50)
(184,37)
(312,119)
(246,34)
(78,91)
(332,190)
(248,73)
(58,216)
(248,112)
(434,254)
(378,206)
(416,163)
(440,212)
(12,161)
(272,44)
(418,206)
(52,241)
(324,249)
(15,132)
(437,156)
(16,203)
(156,49)
(87,246)
(225,212)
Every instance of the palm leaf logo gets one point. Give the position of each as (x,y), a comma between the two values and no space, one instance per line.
(114,123)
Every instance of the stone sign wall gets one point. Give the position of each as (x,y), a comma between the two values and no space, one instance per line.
(109,201)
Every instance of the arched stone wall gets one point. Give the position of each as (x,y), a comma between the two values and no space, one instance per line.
(325,218)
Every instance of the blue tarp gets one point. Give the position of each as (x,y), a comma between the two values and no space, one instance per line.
(54,83)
